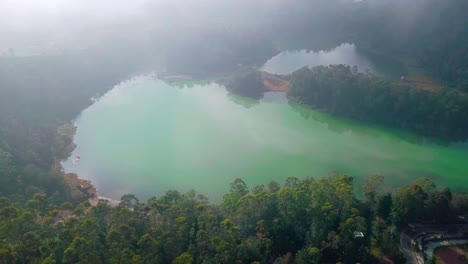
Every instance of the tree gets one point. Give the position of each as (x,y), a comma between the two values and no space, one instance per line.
(148,249)
(49,260)
(185,258)
(80,251)
(441,206)
(384,206)
(246,82)
(239,187)
(373,188)
(120,244)
(7,171)
(237,191)
(129,201)
(309,255)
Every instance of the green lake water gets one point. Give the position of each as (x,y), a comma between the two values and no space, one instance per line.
(146,137)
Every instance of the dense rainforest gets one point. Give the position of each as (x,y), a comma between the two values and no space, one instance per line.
(45,216)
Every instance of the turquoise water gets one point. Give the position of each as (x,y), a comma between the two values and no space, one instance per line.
(146,137)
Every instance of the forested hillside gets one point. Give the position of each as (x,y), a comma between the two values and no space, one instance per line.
(343,91)
(303,221)
(45,216)
(39,97)
(431,33)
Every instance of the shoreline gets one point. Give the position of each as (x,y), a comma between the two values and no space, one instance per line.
(86,188)
(82,189)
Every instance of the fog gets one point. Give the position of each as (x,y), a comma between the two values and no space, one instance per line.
(27,15)
(47,22)
(28,24)
(228,32)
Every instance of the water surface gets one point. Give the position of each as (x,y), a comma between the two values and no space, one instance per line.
(290,60)
(147,137)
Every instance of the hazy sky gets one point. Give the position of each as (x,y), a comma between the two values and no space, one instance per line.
(34,23)
(24,15)
(28,14)
(42,22)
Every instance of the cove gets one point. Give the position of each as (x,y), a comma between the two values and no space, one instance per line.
(146,137)
(290,60)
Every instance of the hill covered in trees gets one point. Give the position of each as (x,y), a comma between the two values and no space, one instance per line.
(431,34)
(343,91)
(39,97)
(46,218)
(304,221)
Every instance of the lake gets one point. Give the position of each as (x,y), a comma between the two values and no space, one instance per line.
(146,137)
(290,60)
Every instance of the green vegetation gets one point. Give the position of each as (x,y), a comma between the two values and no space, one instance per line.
(343,91)
(246,82)
(304,221)
(39,96)
(45,217)
(430,33)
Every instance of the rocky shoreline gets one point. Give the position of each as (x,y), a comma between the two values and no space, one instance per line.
(80,189)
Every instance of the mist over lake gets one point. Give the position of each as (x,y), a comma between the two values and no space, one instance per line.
(146,137)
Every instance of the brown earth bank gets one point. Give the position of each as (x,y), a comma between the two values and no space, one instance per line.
(81,188)
(276,83)
(452,255)
(280,83)
(422,82)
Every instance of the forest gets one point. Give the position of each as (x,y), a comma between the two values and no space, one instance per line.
(429,33)
(343,91)
(39,98)
(303,221)
(45,216)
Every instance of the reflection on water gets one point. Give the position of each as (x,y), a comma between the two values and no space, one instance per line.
(268,97)
(246,102)
(274,97)
(342,125)
(288,61)
(147,137)
(189,84)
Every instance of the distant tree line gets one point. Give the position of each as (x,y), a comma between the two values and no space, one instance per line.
(246,82)
(343,91)
(431,33)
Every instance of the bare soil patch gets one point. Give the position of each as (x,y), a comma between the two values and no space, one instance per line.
(452,255)
(273,83)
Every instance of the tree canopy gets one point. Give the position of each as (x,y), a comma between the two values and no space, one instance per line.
(343,91)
